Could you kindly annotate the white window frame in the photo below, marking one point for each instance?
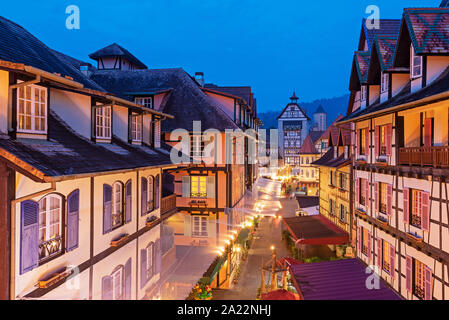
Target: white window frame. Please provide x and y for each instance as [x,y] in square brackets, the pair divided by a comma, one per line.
[384,82]
[136,127]
[47,212]
[363,93]
[32,114]
[117,204]
[199,227]
[103,122]
[117,276]
[147,102]
[415,61]
[150,260]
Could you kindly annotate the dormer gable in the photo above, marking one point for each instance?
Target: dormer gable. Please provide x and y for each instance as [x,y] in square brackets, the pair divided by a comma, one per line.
[115,57]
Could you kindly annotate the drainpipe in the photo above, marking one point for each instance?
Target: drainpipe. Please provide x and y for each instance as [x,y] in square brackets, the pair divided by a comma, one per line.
[13,233]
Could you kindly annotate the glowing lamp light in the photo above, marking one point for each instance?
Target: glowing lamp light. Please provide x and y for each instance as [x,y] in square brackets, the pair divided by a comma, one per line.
[238,249]
[228,242]
[272,248]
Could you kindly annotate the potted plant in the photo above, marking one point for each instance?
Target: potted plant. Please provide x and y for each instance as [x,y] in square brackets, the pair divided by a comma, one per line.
[415,236]
[382,220]
[203,292]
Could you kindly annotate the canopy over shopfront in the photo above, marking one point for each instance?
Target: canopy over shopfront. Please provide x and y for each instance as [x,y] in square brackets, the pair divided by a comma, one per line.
[338,280]
[315,230]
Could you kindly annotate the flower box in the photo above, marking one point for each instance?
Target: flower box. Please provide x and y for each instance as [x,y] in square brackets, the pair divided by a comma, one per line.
[382,221]
[414,237]
[151,221]
[360,211]
[54,278]
[119,240]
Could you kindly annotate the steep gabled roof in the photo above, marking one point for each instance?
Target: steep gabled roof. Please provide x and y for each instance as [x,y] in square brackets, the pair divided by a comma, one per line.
[388,27]
[308,147]
[115,50]
[19,46]
[186,101]
[243,92]
[315,135]
[326,134]
[320,109]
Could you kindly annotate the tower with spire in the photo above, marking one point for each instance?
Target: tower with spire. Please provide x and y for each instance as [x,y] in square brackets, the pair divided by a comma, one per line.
[319,119]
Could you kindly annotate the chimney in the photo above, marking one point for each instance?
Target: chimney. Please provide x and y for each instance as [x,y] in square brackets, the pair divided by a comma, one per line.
[199,77]
[85,70]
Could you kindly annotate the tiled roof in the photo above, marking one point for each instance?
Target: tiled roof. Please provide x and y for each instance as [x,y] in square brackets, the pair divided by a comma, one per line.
[328,160]
[385,47]
[338,280]
[19,46]
[115,50]
[242,92]
[388,27]
[67,153]
[315,135]
[326,134]
[362,59]
[428,29]
[186,101]
[308,147]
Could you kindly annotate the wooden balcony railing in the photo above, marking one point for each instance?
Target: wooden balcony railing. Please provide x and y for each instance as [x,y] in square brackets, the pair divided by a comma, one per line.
[168,203]
[436,157]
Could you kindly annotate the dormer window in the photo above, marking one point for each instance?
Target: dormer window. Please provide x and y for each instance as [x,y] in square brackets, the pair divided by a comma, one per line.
[136,128]
[32,109]
[363,93]
[103,120]
[416,64]
[384,83]
[146,102]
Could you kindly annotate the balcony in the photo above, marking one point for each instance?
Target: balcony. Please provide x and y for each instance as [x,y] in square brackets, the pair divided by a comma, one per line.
[168,203]
[437,157]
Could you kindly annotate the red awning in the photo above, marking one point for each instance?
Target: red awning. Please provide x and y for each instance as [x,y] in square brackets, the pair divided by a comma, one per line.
[315,230]
[279,295]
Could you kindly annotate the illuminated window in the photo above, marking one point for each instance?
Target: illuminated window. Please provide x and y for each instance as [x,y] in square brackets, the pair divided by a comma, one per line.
[383,191]
[383,140]
[199,187]
[362,141]
[365,241]
[416,213]
[420,282]
[386,259]
[146,102]
[32,109]
[50,229]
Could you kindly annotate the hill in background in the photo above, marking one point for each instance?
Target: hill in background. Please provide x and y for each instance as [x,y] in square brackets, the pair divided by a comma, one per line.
[333,107]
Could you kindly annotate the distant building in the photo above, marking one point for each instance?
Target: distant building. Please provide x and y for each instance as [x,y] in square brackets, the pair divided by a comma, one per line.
[319,120]
[293,124]
[309,178]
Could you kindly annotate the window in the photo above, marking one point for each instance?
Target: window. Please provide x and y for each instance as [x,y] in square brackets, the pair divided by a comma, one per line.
[386,259]
[342,181]
[416,64]
[362,141]
[332,206]
[136,128]
[117,205]
[150,206]
[150,260]
[342,213]
[146,102]
[416,213]
[332,178]
[362,190]
[385,80]
[383,140]
[419,279]
[363,94]
[199,187]
[50,226]
[103,122]
[32,109]
[383,193]
[365,247]
[199,226]
[117,284]
[196,145]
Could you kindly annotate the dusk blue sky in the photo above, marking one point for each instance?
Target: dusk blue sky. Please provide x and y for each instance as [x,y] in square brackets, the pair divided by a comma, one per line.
[273,46]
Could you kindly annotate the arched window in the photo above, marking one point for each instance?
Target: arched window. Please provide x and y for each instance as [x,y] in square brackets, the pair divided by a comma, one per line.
[117,205]
[150,193]
[50,225]
[157,193]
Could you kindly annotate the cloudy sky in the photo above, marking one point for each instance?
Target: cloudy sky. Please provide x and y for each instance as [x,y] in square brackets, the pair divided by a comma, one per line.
[274,46]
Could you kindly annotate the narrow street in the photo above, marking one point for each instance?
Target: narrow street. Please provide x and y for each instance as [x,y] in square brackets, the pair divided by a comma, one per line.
[269,233]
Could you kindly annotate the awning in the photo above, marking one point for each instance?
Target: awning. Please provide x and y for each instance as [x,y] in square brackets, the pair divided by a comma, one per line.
[315,230]
[338,280]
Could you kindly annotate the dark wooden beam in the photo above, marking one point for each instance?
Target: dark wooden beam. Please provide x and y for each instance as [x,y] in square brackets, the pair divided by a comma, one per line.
[6,195]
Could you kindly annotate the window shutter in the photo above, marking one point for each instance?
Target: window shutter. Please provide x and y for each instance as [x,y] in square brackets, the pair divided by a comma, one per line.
[425,210]
[428,284]
[158,257]
[211,187]
[29,238]
[367,195]
[376,142]
[186,187]
[150,194]
[406,205]
[144,196]
[390,200]
[358,135]
[357,188]
[379,253]
[128,201]
[389,139]
[359,242]
[408,274]
[392,261]
[106,288]
[157,193]
[428,132]
[128,277]
[376,197]
[369,245]
[367,143]
[143,268]
[73,202]
[107,208]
